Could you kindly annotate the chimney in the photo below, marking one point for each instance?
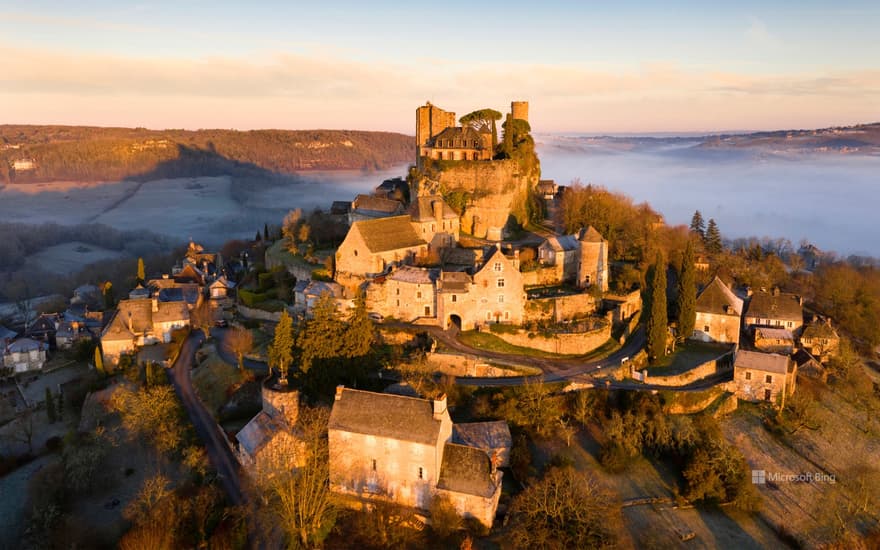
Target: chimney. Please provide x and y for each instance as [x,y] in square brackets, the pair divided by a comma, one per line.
[439,406]
[776,291]
[155,307]
[165,276]
[130,329]
[339,390]
[800,300]
[748,291]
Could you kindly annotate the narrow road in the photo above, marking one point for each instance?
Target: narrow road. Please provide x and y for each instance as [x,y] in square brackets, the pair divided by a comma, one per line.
[227,467]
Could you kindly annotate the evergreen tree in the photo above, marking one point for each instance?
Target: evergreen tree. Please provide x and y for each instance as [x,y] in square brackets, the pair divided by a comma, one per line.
[265,231]
[60,408]
[50,406]
[713,238]
[698,225]
[258,237]
[359,333]
[107,292]
[141,275]
[323,336]
[657,318]
[99,361]
[281,349]
[687,294]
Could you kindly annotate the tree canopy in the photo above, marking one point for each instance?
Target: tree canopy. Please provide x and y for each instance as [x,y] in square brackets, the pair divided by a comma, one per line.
[483,120]
[281,349]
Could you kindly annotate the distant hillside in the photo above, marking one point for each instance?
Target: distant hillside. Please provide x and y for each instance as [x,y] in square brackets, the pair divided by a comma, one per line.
[862,138]
[83,153]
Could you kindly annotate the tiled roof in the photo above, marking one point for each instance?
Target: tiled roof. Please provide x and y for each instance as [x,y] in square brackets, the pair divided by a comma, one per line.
[256,433]
[717,298]
[590,235]
[454,281]
[465,133]
[6,334]
[409,274]
[384,234]
[376,204]
[24,345]
[487,436]
[466,470]
[782,305]
[421,209]
[563,243]
[774,333]
[169,312]
[768,362]
[385,415]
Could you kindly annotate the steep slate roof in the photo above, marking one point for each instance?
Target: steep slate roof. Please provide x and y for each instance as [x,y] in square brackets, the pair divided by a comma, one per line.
[801,357]
[169,312]
[563,243]
[466,470]
[783,306]
[384,234]
[461,133]
[256,433]
[385,415]
[376,204]
[590,235]
[409,274]
[317,288]
[487,436]
[140,313]
[778,333]
[24,345]
[716,296]
[768,362]
[421,209]
[454,281]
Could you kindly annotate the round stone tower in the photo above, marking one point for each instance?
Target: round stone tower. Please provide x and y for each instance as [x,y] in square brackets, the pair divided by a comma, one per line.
[280,401]
[520,110]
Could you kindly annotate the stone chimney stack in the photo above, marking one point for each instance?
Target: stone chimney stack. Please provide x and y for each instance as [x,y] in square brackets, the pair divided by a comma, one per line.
[130,329]
[339,390]
[155,304]
[439,406]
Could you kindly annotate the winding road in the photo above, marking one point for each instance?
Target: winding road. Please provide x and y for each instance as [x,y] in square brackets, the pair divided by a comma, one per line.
[221,457]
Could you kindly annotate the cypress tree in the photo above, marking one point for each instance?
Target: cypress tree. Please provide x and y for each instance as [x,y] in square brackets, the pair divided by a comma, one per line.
[281,349]
[698,225]
[713,238]
[258,237]
[687,294]
[359,334]
[50,406]
[99,361]
[141,274]
[657,318]
[265,231]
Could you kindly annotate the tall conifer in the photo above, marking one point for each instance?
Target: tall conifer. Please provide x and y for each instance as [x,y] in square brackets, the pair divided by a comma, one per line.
[281,349]
[657,317]
[713,238]
[687,294]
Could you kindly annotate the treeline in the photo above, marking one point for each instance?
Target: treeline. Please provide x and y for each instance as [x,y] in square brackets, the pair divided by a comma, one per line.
[85,153]
[18,240]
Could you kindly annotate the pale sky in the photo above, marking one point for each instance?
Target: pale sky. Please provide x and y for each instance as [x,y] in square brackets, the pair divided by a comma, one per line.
[583,66]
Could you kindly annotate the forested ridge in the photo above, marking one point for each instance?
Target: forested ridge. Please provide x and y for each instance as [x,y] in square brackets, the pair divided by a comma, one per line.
[86,153]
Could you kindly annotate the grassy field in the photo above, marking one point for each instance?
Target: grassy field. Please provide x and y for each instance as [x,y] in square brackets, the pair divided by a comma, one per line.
[213,380]
[686,357]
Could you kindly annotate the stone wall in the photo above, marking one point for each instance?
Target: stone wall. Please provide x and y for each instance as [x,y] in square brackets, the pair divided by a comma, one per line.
[491,191]
[712,367]
[543,276]
[466,366]
[560,308]
[259,314]
[575,343]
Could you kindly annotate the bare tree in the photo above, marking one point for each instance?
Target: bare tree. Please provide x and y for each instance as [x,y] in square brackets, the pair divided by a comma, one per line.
[202,317]
[240,341]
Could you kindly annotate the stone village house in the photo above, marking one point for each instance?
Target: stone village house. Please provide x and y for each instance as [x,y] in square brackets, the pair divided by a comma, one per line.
[775,310]
[269,440]
[764,376]
[718,312]
[820,339]
[141,322]
[581,258]
[24,355]
[398,448]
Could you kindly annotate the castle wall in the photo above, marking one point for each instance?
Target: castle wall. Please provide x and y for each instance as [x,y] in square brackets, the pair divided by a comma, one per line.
[520,110]
[494,190]
[574,343]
